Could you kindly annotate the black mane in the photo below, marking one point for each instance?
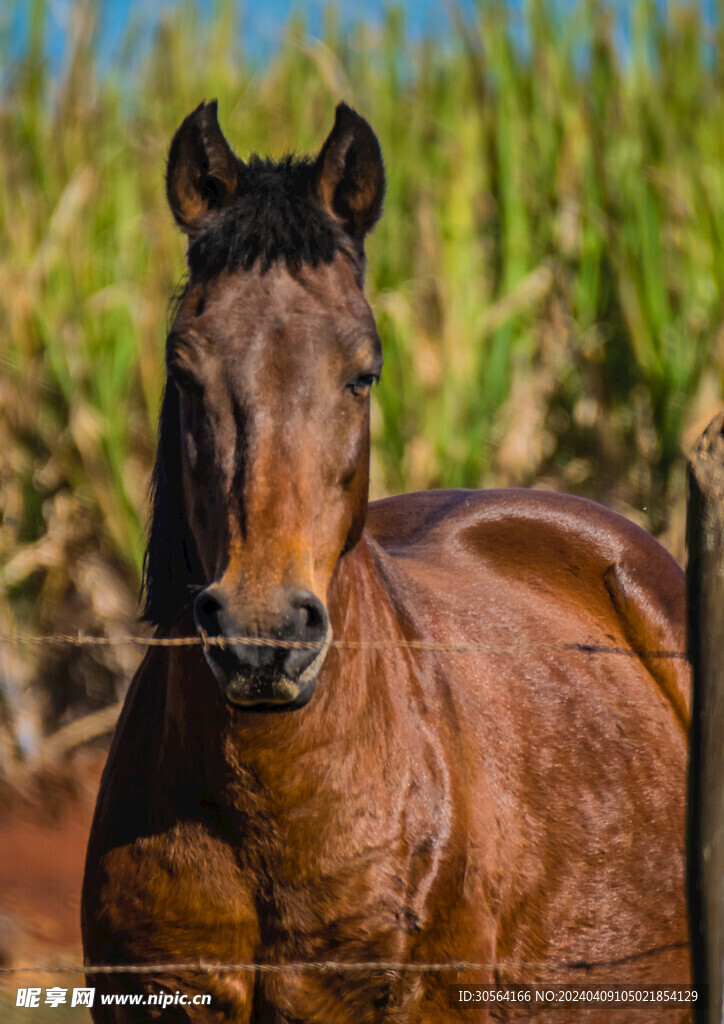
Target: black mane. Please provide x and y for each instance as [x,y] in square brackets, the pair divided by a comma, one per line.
[275,217]
[171,566]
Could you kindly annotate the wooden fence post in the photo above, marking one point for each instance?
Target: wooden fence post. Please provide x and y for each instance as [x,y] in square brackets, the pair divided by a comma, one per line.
[705,615]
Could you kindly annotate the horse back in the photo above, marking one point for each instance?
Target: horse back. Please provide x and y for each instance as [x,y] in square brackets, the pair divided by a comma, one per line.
[574,553]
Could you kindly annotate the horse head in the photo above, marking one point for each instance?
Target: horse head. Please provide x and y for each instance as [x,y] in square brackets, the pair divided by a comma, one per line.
[262,473]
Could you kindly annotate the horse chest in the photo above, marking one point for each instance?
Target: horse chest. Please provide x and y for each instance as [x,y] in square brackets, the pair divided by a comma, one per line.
[366,882]
[366,854]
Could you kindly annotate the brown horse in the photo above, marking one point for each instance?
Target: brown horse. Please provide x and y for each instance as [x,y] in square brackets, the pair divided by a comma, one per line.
[451,769]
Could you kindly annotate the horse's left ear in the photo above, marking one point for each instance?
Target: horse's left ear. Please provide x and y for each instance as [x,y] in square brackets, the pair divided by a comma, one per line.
[350,174]
[202,174]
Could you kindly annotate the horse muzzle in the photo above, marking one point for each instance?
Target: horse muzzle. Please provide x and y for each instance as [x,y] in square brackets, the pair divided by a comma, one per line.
[265,670]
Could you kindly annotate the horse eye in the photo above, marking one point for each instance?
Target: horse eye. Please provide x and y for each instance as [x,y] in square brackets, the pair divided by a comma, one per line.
[184,379]
[361,385]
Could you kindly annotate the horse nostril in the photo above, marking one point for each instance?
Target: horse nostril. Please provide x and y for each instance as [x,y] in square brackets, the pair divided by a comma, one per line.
[312,615]
[206,612]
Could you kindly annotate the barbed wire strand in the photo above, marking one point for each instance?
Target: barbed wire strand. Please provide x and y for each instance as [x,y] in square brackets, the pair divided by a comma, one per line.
[323,966]
[82,639]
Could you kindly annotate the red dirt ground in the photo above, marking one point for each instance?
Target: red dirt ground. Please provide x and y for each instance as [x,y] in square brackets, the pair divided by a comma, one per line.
[44,824]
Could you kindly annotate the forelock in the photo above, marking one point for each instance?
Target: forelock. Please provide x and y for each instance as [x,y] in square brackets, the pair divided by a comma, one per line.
[276,217]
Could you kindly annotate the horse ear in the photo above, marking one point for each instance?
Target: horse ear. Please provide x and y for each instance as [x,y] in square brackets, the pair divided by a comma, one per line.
[202,174]
[350,174]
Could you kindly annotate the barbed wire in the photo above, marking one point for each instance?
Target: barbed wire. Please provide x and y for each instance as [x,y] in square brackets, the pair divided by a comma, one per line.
[81,639]
[321,966]
[202,966]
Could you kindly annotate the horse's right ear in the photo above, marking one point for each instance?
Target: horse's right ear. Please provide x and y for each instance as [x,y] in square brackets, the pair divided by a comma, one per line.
[202,173]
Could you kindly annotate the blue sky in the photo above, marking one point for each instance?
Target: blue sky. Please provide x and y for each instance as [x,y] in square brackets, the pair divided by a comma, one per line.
[263,20]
